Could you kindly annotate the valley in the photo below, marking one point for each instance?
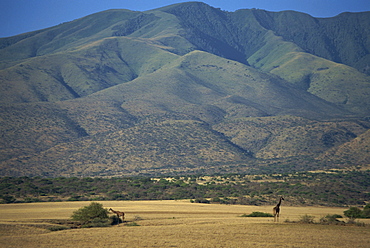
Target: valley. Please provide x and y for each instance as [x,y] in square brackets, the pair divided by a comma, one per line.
[176,224]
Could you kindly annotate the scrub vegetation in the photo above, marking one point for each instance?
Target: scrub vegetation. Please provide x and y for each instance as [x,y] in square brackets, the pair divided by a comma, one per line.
[330,188]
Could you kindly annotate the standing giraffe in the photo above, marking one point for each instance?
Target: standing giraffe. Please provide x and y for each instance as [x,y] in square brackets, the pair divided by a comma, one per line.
[276,210]
[118,213]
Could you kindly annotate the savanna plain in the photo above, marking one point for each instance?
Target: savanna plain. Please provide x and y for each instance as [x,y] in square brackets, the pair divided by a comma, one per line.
[177,224]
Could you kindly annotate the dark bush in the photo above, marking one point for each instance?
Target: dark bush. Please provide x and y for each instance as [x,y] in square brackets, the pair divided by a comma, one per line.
[202,200]
[114,220]
[258,214]
[353,213]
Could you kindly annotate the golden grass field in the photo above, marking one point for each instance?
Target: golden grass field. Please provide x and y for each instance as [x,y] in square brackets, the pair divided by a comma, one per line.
[177,224]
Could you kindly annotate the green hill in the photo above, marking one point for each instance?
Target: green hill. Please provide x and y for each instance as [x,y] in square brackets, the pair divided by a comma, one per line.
[186,88]
[342,39]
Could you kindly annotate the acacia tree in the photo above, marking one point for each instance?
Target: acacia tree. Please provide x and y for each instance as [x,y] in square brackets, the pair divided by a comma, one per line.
[353,213]
[92,215]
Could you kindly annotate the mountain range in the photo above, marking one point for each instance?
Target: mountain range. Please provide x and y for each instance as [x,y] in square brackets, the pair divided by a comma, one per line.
[185,89]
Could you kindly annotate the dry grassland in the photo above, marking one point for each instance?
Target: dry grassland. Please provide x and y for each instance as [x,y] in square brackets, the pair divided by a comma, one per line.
[176,224]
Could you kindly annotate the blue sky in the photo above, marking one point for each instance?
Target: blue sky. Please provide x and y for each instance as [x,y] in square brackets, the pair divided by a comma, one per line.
[20,16]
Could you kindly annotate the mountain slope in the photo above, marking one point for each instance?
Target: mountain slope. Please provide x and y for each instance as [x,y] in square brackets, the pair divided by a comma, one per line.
[288,136]
[81,72]
[333,82]
[30,128]
[342,39]
[62,37]
[184,88]
[355,151]
[167,146]
[200,78]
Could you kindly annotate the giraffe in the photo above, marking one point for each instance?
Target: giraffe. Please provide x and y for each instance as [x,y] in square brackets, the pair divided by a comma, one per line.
[118,213]
[276,210]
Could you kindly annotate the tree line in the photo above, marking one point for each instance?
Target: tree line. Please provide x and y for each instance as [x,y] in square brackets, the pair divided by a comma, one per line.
[303,188]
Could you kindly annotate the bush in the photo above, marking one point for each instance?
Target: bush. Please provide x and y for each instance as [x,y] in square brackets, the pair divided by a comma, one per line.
[307,219]
[331,219]
[114,220]
[7,199]
[258,214]
[92,215]
[353,213]
[202,200]
[337,216]
[97,222]
[58,228]
[354,222]
[366,211]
